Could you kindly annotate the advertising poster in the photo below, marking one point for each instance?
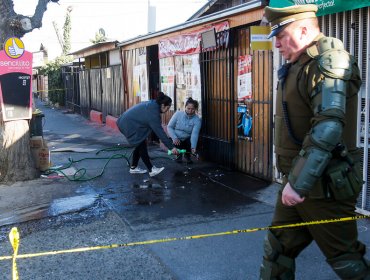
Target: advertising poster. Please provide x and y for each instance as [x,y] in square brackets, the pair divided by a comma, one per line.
[136,82]
[188,78]
[245,122]
[140,82]
[143,83]
[15,81]
[244,77]
[140,76]
[167,70]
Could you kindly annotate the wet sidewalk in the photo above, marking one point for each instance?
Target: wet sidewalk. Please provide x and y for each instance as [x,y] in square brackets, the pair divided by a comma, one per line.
[57,212]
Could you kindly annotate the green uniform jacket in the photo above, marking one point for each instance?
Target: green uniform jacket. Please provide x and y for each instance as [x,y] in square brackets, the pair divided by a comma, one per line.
[300,83]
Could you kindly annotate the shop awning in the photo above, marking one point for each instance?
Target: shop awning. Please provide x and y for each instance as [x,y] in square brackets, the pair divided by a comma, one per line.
[325,6]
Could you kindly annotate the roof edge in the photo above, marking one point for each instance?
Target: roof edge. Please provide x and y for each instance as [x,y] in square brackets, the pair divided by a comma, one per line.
[231,11]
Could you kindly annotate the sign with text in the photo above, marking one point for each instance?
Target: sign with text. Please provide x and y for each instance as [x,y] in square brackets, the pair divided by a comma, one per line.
[244,77]
[15,81]
[325,7]
[259,39]
[187,44]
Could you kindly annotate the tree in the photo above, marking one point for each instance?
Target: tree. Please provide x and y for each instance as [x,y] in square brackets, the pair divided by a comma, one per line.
[99,37]
[65,40]
[16,162]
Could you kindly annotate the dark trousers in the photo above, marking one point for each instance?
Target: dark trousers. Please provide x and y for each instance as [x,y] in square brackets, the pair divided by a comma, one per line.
[333,239]
[141,151]
[185,145]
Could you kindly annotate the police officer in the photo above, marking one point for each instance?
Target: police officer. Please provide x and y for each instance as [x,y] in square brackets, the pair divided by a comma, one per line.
[315,138]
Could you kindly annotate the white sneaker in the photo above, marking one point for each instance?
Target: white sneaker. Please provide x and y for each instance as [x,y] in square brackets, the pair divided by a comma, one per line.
[137,170]
[155,171]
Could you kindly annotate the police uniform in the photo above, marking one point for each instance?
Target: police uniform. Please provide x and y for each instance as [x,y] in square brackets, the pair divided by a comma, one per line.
[315,139]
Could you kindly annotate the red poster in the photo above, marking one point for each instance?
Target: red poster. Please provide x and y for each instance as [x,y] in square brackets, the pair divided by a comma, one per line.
[244,77]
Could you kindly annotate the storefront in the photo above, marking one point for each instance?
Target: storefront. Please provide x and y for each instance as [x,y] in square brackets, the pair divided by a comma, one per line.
[182,62]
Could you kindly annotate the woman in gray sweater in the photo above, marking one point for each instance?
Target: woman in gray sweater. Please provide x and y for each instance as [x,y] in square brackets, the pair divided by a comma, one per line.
[137,123]
[184,128]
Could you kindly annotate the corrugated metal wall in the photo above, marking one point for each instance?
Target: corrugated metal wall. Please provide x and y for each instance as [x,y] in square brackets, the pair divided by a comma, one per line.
[112,91]
[102,90]
[71,81]
[96,90]
[85,93]
[219,77]
[352,27]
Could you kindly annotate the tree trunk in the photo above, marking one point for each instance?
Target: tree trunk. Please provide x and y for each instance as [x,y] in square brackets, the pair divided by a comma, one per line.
[16,161]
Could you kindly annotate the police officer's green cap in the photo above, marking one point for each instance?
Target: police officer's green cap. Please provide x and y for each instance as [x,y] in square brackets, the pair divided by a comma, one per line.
[279,17]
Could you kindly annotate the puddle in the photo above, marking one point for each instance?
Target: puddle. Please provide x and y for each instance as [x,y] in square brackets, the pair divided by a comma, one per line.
[148,193]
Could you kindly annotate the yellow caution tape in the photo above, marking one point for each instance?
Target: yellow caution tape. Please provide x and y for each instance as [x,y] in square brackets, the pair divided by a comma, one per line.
[14,240]
[111,246]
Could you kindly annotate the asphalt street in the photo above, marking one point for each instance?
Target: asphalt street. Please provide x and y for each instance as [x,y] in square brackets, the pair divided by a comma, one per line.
[184,217]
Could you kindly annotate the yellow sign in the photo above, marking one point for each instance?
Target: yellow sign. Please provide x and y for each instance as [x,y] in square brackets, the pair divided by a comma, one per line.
[259,39]
[14,47]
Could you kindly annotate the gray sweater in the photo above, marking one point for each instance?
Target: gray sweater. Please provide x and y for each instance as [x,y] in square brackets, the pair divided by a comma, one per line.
[140,120]
[182,126]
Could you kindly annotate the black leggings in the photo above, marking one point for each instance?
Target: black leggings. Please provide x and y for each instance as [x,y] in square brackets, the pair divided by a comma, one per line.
[185,145]
[141,151]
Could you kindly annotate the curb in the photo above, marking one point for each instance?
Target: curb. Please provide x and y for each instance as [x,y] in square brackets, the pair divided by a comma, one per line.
[96,116]
[111,122]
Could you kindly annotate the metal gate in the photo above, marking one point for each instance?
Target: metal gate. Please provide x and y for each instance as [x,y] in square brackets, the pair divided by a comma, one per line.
[218,112]
[70,75]
[219,68]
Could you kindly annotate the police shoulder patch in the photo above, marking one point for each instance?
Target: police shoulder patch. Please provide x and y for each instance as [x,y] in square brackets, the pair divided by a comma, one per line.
[334,61]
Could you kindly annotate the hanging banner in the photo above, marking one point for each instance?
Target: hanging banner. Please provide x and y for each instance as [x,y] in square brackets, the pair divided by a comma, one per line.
[325,7]
[15,81]
[167,80]
[187,43]
[244,77]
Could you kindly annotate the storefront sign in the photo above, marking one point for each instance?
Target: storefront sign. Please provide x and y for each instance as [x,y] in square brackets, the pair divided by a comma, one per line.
[259,39]
[15,81]
[187,43]
[325,6]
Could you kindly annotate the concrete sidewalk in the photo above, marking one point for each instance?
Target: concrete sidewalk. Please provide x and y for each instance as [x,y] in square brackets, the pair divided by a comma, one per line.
[56,213]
